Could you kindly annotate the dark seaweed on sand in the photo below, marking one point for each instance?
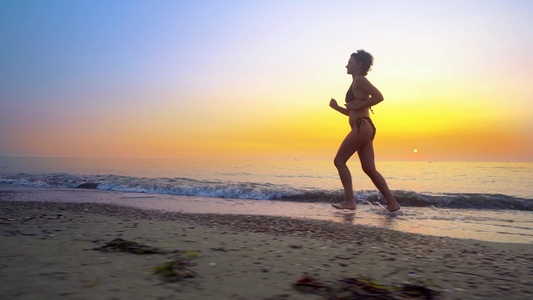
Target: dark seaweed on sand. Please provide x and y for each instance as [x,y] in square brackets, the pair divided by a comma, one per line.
[120,245]
[171,271]
[355,288]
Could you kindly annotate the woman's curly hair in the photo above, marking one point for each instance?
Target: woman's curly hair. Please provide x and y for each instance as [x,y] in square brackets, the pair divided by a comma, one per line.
[365,59]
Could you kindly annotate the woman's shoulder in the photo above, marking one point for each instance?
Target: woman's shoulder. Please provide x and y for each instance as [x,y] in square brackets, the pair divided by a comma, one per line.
[358,80]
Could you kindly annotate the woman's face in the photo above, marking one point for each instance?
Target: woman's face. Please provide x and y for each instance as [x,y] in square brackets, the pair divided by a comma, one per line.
[353,66]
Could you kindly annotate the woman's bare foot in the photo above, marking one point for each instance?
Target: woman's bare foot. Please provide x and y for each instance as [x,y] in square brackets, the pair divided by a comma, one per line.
[345,205]
[393,207]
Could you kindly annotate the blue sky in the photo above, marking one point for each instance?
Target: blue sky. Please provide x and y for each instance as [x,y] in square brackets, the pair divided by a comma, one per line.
[225,76]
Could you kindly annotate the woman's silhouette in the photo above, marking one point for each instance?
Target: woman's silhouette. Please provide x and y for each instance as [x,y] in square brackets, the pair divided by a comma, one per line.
[361,96]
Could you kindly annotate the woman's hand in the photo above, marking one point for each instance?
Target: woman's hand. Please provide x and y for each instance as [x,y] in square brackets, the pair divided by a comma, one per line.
[333,104]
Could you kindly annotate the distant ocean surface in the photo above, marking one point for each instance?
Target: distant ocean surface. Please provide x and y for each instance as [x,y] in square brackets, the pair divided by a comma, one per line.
[461,186]
[439,184]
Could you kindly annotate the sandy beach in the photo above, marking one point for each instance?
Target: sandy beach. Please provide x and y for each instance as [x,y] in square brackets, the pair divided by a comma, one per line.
[47,251]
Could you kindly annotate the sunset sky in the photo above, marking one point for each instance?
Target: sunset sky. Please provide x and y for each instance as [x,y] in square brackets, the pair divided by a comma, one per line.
[253,79]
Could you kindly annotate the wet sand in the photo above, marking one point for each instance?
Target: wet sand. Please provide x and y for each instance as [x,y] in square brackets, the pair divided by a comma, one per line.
[47,253]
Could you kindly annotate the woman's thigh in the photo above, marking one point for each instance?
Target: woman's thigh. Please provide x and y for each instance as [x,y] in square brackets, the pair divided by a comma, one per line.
[352,142]
[366,157]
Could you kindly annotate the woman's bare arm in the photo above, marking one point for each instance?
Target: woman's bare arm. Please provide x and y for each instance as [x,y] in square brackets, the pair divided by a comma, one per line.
[333,104]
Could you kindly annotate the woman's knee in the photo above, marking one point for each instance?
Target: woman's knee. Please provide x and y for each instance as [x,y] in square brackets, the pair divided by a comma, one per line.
[339,162]
[369,170]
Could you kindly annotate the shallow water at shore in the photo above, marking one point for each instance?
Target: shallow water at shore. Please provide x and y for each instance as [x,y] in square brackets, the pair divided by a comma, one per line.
[421,184]
[486,225]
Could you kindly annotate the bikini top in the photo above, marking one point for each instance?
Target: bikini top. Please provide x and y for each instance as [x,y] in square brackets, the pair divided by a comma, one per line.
[351,97]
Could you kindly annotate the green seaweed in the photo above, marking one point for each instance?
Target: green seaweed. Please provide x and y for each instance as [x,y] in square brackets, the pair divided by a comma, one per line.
[171,271]
[191,254]
[176,269]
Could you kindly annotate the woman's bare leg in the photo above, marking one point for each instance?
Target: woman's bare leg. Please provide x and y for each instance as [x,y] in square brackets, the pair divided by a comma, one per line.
[366,156]
[348,147]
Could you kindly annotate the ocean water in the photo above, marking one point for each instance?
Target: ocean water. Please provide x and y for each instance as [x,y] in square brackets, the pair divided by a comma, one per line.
[488,201]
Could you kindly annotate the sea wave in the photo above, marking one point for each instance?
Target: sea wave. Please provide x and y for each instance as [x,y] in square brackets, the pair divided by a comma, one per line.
[262,191]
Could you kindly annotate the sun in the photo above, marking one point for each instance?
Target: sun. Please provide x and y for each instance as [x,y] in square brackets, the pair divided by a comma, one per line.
[415,150]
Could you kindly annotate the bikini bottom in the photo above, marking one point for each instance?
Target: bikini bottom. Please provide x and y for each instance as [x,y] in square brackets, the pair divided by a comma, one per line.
[361,121]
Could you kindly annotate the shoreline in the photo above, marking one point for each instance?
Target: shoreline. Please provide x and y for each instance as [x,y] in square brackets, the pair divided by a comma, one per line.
[486,225]
[49,250]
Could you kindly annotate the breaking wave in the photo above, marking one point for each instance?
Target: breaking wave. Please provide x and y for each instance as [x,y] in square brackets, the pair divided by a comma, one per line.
[262,191]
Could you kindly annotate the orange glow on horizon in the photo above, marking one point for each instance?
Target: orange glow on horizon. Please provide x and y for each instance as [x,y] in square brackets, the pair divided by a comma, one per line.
[254,80]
